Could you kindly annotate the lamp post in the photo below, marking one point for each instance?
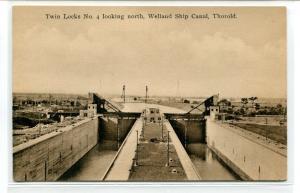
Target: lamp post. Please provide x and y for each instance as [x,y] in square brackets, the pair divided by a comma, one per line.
[137,149]
[168,153]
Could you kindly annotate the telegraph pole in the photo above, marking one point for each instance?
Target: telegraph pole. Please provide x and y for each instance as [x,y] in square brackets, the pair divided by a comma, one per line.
[146,94]
[123,93]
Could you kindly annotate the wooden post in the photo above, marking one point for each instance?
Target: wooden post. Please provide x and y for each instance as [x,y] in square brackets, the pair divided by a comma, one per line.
[146,97]
[137,149]
[168,154]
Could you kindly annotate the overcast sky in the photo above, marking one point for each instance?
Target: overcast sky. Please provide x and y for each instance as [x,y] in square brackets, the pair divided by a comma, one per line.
[237,57]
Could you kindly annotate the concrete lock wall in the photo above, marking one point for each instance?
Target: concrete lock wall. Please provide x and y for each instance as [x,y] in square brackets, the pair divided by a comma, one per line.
[195,130]
[51,156]
[248,158]
[110,129]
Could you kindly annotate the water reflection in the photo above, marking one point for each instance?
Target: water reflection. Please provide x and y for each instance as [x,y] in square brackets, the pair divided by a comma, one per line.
[91,167]
[209,167]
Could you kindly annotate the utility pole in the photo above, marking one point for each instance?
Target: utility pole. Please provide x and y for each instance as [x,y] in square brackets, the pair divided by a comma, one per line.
[123,94]
[146,94]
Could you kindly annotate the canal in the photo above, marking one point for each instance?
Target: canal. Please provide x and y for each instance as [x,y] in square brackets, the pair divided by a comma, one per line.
[209,165]
[91,167]
[95,163]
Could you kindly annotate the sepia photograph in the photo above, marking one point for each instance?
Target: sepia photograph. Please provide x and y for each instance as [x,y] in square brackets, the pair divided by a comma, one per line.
[149,94]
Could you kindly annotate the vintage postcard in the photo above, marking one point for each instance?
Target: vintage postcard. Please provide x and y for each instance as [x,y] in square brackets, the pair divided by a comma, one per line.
[152,94]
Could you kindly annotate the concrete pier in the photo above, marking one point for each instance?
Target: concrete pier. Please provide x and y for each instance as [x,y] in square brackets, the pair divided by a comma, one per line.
[246,153]
[119,169]
[48,157]
[187,164]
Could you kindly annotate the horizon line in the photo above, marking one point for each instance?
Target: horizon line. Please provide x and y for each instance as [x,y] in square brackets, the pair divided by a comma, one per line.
[154,95]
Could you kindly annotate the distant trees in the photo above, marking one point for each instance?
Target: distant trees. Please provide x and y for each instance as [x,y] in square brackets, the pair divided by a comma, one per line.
[244,101]
[280,109]
[271,110]
[257,106]
[240,111]
[225,102]
[254,108]
[186,101]
[253,99]
[14,100]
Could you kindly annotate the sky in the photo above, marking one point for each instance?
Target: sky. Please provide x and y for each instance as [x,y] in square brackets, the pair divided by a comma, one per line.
[240,57]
